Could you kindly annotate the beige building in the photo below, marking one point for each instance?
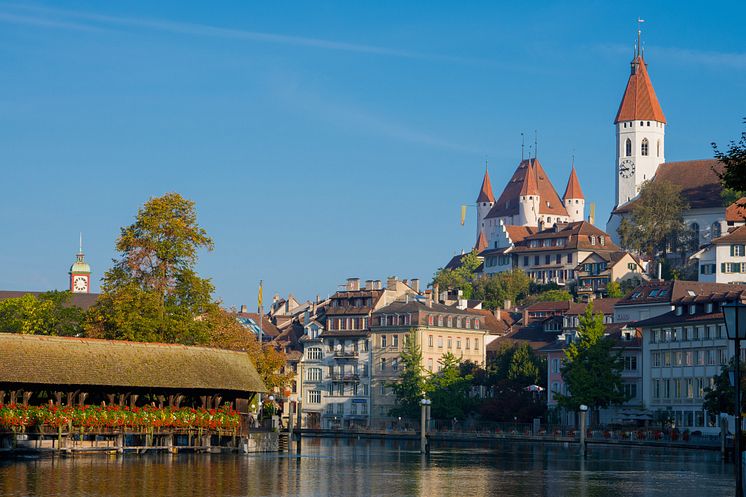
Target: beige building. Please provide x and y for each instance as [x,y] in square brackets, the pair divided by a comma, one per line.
[436,328]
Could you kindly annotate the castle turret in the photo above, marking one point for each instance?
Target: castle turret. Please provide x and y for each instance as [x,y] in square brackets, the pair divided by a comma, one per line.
[573,198]
[485,201]
[529,199]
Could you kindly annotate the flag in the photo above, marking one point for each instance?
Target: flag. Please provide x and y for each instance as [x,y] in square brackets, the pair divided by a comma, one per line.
[259,297]
[463,214]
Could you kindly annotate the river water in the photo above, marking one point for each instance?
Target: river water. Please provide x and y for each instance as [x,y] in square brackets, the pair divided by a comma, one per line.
[388,468]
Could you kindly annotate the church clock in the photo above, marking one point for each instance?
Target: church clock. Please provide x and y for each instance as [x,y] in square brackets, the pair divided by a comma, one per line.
[626,167]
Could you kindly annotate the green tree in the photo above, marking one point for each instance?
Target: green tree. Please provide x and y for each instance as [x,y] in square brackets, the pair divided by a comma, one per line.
[733,176]
[614,290]
[411,385]
[449,389]
[548,296]
[461,278]
[495,289]
[50,313]
[721,396]
[656,222]
[152,293]
[592,369]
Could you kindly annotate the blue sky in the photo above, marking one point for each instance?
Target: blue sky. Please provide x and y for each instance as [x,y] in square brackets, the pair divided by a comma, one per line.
[323,140]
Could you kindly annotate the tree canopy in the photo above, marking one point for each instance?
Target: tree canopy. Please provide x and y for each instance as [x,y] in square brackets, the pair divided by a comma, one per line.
[720,397]
[449,389]
[412,383]
[733,176]
[460,278]
[495,289]
[50,313]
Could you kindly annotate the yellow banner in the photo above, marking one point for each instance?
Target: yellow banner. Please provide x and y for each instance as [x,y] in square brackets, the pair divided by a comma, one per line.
[259,298]
[463,214]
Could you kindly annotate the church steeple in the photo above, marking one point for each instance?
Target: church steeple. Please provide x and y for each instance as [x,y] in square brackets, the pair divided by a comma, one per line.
[485,193]
[485,201]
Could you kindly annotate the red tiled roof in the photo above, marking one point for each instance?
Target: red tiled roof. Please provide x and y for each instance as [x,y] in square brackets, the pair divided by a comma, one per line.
[639,100]
[577,236]
[573,186]
[534,336]
[492,324]
[603,306]
[529,178]
[698,180]
[268,328]
[481,242]
[485,194]
[737,235]
[736,212]
[518,233]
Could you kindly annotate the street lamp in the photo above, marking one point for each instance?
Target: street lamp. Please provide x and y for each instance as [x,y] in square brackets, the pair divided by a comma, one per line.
[583,412]
[425,404]
[734,314]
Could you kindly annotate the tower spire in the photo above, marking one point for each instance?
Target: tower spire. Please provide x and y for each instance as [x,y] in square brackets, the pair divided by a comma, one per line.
[80,249]
[638,51]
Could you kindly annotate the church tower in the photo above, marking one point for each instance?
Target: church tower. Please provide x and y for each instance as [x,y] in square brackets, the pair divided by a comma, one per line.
[485,201]
[573,198]
[80,273]
[640,131]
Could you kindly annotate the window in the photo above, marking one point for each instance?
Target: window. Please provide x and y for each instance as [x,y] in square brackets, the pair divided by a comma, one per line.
[468,343]
[716,230]
[313,374]
[440,342]
[382,389]
[430,365]
[731,267]
[555,365]
[313,353]
[467,324]
[525,260]
[569,258]
[440,320]
[396,342]
[712,357]
[536,260]
[656,359]
[450,321]
[593,240]
[450,342]
[628,147]
[430,321]
[383,341]
[630,363]
[458,322]
[630,390]
[395,364]
[658,149]
[707,268]
[383,364]
[644,147]
[314,396]
[476,327]
[737,251]
[476,344]
[547,259]
[458,343]
[430,341]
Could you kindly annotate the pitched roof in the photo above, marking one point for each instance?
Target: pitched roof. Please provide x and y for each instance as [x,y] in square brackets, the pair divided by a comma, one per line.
[573,186]
[639,100]
[485,194]
[518,233]
[481,242]
[600,306]
[679,291]
[737,235]
[577,235]
[492,324]
[251,320]
[698,180]
[736,212]
[45,360]
[529,178]
[82,300]
[534,336]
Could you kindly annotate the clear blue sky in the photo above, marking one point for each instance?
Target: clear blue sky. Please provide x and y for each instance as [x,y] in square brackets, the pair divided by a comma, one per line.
[323,140]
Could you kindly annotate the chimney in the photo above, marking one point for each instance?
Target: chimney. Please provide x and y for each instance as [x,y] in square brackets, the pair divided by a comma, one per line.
[415,284]
[462,304]
[405,281]
[436,292]
[391,283]
[306,317]
[660,272]
[244,309]
[353,284]
[376,284]
[507,304]
[429,302]
[498,313]
[525,317]
[318,299]
[369,284]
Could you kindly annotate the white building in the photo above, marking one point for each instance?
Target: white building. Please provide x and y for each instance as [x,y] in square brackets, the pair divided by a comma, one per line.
[724,259]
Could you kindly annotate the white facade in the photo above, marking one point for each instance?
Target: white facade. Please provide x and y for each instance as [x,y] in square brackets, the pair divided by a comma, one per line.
[575,208]
[639,150]
[722,263]
[483,208]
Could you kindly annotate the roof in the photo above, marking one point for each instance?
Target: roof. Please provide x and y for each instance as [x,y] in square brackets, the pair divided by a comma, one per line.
[604,306]
[698,180]
[577,234]
[481,242]
[679,291]
[375,296]
[485,193]
[549,306]
[518,233]
[534,336]
[737,235]
[572,190]
[736,212]
[529,178]
[82,300]
[251,320]
[418,305]
[639,101]
[492,324]
[45,360]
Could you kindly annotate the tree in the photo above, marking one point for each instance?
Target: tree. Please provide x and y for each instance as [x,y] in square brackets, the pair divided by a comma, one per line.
[152,293]
[548,296]
[449,390]
[614,290]
[657,221]
[495,289]
[411,386]
[50,313]
[733,176]
[592,370]
[460,278]
[721,396]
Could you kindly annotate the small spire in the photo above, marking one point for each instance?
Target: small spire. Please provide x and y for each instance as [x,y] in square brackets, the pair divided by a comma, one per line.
[523,144]
[536,144]
[80,249]
[638,47]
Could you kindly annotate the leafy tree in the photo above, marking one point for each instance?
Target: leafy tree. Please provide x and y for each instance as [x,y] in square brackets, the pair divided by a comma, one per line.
[592,370]
[460,278]
[412,384]
[449,390]
[495,289]
[50,313]
[548,296]
[656,222]
[525,366]
[614,290]
[733,176]
[721,396]
[153,292]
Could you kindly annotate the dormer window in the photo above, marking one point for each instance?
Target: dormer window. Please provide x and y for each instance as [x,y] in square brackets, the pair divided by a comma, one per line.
[593,240]
[602,240]
[708,307]
[679,310]
[692,309]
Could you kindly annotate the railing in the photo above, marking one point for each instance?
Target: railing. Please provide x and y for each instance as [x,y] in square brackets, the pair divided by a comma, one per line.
[345,354]
[345,377]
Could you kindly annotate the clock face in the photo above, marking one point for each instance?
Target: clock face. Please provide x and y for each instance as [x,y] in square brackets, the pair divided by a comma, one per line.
[80,284]
[626,168]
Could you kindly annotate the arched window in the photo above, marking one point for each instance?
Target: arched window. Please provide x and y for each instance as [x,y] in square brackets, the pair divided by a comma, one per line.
[628,147]
[716,230]
[440,320]
[644,146]
[458,322]
[658,149]
[695,229]
[450,321]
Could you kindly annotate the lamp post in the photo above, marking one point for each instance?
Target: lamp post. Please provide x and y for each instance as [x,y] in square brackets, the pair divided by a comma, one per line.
[735,325]
[583,412]
[424,405]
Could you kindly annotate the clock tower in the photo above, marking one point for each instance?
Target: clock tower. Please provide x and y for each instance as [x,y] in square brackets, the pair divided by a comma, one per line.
[80,273]
[640,132]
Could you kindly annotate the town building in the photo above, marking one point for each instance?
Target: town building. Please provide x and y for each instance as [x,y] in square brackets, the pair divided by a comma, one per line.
[723,260]
[597,270]
[437,329]
[683,349]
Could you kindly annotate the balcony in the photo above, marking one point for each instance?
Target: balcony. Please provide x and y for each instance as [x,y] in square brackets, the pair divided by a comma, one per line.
[346,354]
[346,377]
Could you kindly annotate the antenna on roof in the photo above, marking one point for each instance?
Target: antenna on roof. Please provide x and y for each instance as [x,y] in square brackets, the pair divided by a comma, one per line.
[639,33]
[523,144]
[536,144]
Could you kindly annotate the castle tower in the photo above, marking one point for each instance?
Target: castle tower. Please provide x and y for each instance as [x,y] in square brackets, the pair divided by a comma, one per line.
[573,198]
[640,132]
[485,201]
[529,199]
[80,273]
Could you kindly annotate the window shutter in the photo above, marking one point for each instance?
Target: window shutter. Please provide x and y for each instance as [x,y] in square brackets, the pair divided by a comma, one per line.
[722,267]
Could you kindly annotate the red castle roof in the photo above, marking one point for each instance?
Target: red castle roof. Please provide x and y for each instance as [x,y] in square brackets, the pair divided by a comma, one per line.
[639,100]
[573,186]
[485,194]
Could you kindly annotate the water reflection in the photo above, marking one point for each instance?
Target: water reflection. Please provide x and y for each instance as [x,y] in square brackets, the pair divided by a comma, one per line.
[378,467]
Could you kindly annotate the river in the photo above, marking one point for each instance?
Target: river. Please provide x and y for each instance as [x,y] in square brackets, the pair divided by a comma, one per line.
[345,468]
